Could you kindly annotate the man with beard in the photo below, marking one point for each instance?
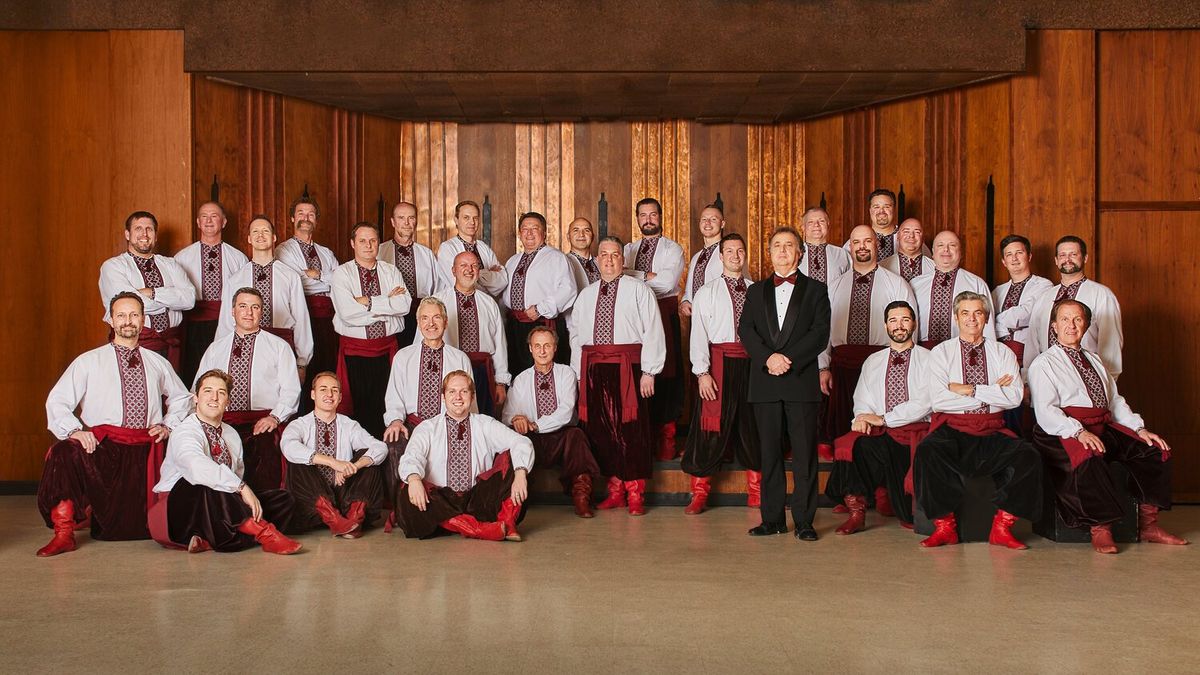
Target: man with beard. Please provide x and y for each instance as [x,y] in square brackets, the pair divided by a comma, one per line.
[370,301]
[284,310]
[661,262]
[821,261]
[316,265]
[936,291]
[162,283]
[204,504]
[1083,423]
[583,263]
[881,208]
[492,276]
[1015,298]
[911,259]
[208,263]
[463,472]
[416,262]
[1103,336]
[971,382]
[723,423]
[474,325]
[891,416]
[540,290]
[706,264]
[106,459]
[617,350]
[863,292]
[264,388]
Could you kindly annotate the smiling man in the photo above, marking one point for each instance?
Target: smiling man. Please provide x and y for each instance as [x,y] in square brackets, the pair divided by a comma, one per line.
[705,265]
[936,290]
[416,262]
[821,261]
[541,289]
[475,325]
[911,259]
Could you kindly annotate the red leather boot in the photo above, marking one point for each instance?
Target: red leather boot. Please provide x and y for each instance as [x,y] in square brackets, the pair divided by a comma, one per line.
[945,531]
[753,489]
[271,539]
[509,511]
[469,527]
[1102,539]
[197,545]
[883,503]
[1150,531]
[857,505]
[636,489]
[63,518]
[338,524]
[616,495]
[700,489]
[357,514]
[581,495]
[1002,531]
[666,442]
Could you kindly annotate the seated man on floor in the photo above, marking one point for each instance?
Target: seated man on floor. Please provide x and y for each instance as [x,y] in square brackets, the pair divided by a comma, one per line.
[334,466]
[971,382]
[891,416]
[205,504]
[463,472]
[541,405]
[105,459]
[1082,424]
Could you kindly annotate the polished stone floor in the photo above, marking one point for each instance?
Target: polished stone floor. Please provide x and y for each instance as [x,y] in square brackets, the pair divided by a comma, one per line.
[658,594]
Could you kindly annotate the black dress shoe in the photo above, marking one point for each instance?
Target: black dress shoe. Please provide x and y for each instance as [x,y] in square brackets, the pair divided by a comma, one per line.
[768,529]
[806,533]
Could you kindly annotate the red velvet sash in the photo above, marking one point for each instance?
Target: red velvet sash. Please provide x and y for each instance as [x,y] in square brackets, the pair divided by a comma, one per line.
[710,411]
[975,425]
[352,346]
[848,357]
[910,434]
[1017,348]
[485,359]
[623,355]
[1094,420]
[288,335]
[929,344]
[169,340]
[154,460]
[205,310]
[522,317]
[668,307]
[320,307]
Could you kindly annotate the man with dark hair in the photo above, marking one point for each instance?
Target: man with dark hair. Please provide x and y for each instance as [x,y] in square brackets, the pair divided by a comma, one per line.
[660,264]
[475,325]
[370,300]
[106,459]
[935,292]
[881,209]
[541,289]
[493,278]
[1015,298]
[208,263]
[416,262]
[1082,424]
[891,416]
[705,265]
[1104,336]
[723,421]
[912,255]
[161,281]
[821,261]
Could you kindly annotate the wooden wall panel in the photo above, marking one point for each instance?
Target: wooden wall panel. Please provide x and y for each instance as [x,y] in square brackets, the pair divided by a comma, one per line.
[381,170]
[902,138]
[603,161]
[718,164]
[774,187]
[308,137]
[661,168]
[545,177]
[425,180]
[859,159]
[823,174]
[483,149]
[987,152]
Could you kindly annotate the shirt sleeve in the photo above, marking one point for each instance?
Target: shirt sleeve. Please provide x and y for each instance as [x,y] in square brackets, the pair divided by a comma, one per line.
[289,384]
[179,399]
[519,447]
[562,291]
[359,440]
[180,294]
[654,338]
[302,329]
[292,443]
[64,398]
[667,277]
[348,310]
[415,459]
[699,340]
[197,466]
[1047,404]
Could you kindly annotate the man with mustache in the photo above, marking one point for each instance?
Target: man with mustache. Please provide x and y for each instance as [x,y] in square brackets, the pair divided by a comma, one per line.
[208,263]
[541,289]
[705,265]
[821,261]
[583,263]
[661,263]
[936,291]
[912,256]
[1103,337]
[891,416]
[493,278]
[416,262]
[105,459]
[475,325]
[162,283]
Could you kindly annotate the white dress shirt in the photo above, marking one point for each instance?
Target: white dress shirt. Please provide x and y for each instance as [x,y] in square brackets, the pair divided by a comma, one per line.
[522,399]
[288,307]
[120,274]
[492,282]
[351,318]
[427,450]
[299,441]
[945,366]
[189,457]
[922,287]
[712,321]
[425,264]
[668,265]
[712,270]
[232,260]
[274,382]
[404,383]
[291,253]
[892,264]
[887,287]
[1104,337]
[1055,383]
[491,329]
[93,380]
[636,320]
[549,282]
[837,262]
[870,396]
[1014,322]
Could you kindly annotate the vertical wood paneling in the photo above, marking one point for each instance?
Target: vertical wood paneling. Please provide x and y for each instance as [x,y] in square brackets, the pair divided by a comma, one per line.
[823,163]
[902,148]
[603,155]
[858,165]
[661,169]
[429,213]
[774,186]
[566,188]
[987,152]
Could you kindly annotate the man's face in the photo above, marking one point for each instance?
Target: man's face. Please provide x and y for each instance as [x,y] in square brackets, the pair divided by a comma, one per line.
[365,244]
[210,220]
[1069,258]
[610,259]
[127,318]
[711,223]
[304,218]
[733,257]
[882,210]
[404,220]
[909,237]
[458,396]
[142,235]
[785,251]
[532,234]
[816,227]
[542,346]
[863,244]
[1015,258]
[971,316]
[466,270]
[467,220]
[212,398]
[431,322]
[947,251]
[247,312]
[900,325]
[326,394]
[649,219]
[581,235]
[1070,325]
[262,237]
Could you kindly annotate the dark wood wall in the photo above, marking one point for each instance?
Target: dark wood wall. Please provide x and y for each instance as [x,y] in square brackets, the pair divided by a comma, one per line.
[1099,138]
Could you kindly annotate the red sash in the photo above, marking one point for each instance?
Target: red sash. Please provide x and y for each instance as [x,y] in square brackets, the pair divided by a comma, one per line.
[485,359]
[352,346]
[623,355]
[975,425]
[288,335]
[320,307]
[1017,348]
[668,307]
[929,344]
[910,434]
[1094,420]
[169,340]
[522,317]
[205,310]
[710,411]
[851,357]
[154,460]
[413,420]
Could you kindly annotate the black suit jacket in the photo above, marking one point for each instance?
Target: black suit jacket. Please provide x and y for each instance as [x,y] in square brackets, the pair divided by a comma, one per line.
[804,335]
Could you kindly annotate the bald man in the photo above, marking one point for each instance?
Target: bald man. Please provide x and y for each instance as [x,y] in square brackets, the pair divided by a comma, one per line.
[475,324]
[417,265]
[936,291]
[911,259]
[583,262]
[706,264]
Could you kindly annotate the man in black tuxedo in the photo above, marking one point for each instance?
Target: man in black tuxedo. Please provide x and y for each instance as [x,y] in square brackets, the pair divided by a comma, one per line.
[785,325]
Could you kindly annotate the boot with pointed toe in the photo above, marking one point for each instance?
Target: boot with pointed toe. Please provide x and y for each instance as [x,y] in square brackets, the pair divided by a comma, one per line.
[271,539]
[509,512]
[581,495]
[469,527]
[857,505]
[636,491]
[62,516]
[701,485]
[1102,539]
[338,524]
[1002,531]
[883,503]
[616,495]
[1150,531]
[945,532]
